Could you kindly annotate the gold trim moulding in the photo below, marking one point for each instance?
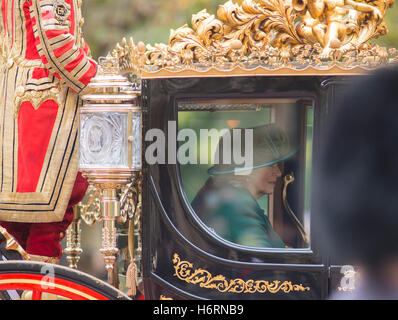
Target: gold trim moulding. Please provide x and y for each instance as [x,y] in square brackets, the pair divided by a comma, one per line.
[258,71]
[280,37]
[109,98]
[108,177]
[107,87]
[185,271]
[110,79]
[100,108]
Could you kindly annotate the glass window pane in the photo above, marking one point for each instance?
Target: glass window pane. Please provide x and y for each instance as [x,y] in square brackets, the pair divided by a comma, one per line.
[245,169]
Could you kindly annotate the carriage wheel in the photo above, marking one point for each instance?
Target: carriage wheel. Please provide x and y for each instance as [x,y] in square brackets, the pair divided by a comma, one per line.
[42,280]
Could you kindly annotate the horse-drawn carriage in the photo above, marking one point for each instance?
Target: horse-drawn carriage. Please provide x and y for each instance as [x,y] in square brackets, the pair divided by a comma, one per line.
[145,128]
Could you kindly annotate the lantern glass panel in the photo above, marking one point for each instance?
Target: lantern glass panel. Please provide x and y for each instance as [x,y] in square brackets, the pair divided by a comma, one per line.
[103,138]
[136,142]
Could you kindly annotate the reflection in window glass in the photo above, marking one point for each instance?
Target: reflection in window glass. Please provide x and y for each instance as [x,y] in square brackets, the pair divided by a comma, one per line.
[308,161]
[248,178]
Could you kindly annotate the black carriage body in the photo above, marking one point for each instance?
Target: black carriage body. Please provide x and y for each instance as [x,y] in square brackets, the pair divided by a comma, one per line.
[181,258]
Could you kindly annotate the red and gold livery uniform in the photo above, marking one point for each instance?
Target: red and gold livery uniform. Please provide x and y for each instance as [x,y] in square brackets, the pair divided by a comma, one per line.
[45,67]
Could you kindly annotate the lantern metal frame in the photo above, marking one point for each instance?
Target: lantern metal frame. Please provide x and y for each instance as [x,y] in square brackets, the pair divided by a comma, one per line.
[113,107]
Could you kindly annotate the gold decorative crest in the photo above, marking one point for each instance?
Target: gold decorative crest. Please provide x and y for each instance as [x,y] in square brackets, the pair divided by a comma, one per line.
[184,271]
[61,11]
[267,35]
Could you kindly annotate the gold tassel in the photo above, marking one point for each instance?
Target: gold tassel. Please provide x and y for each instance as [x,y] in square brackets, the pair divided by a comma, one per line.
[132,270]
[132,280]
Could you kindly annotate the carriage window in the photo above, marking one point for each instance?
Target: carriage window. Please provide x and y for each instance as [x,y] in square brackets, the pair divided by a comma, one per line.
[245,168]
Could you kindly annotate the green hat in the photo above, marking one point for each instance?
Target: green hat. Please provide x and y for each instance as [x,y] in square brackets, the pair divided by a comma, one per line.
[270,146]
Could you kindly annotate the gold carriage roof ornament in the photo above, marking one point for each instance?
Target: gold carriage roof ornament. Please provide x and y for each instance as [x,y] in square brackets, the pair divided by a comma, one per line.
[268,37]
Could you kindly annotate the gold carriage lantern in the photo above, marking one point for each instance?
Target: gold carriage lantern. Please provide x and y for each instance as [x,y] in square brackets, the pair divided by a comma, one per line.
[110,145]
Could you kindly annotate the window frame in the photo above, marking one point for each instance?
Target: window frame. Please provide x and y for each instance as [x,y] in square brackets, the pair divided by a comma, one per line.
[277,97]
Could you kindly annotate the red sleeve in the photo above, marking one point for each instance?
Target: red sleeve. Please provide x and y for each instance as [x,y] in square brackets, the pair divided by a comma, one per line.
[56,42]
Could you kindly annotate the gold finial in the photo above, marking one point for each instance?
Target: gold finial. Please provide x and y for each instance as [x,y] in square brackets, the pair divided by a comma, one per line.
[141,47]
[109,65]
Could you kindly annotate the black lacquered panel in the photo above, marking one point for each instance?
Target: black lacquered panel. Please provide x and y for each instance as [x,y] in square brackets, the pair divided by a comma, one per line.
[182,257]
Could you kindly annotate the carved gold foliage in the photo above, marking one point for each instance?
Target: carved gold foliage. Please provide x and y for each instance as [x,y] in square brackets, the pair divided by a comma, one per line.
[185,271]
[271,34]
[90,206]
[131,56]
[252,23]
[130,200]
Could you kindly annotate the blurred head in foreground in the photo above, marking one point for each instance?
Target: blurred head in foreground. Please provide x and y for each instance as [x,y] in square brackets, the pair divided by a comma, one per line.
[357,198]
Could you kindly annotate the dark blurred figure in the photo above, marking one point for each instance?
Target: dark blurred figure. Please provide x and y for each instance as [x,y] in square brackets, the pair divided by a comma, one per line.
[357,185]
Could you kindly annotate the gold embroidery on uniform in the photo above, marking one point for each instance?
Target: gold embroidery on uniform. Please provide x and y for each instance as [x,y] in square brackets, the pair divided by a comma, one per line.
[61,11]
[36,98]
[48,203]
[44,44]
[45,259]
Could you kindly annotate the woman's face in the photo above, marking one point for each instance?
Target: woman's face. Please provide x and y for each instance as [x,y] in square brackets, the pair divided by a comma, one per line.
[263,180]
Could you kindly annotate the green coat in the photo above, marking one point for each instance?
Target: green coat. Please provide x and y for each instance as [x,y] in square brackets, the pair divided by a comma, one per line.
[235,215]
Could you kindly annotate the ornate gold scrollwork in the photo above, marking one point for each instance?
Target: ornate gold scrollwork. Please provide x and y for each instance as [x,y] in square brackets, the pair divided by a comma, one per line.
[271,34]
[130,199]
[89,208]
[184,271]
[36,98]
[131,56]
